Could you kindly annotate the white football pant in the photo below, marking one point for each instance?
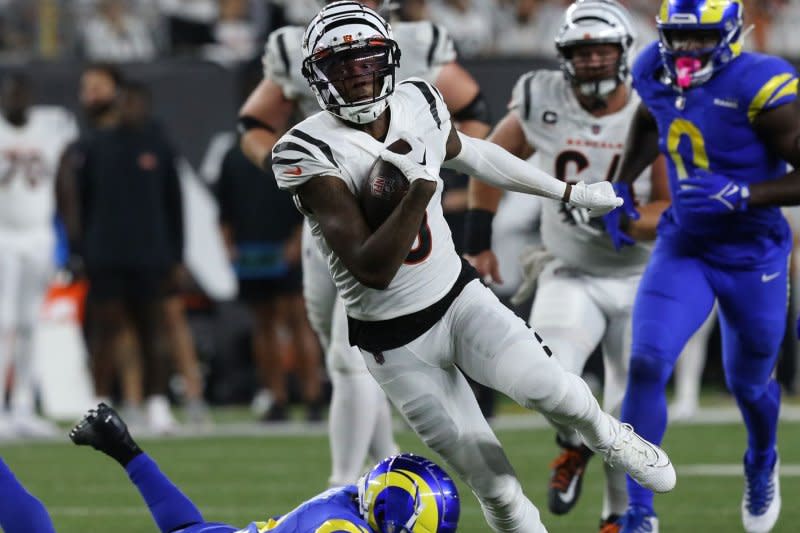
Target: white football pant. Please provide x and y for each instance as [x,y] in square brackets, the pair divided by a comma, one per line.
[478,336]
[26,265]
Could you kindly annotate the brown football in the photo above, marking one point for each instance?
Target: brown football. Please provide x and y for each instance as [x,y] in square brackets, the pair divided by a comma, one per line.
[385,187]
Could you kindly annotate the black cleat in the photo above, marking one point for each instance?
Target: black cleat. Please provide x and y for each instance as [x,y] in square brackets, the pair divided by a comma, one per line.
[610,524]
[566,478]
[104,430]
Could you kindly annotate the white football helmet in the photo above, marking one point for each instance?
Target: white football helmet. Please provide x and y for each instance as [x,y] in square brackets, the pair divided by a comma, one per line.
[350,60]
[595,22]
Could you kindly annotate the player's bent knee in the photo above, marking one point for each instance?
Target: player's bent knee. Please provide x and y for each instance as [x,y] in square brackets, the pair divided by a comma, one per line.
[541,389]
[746,392]
[654,339]
[649,368]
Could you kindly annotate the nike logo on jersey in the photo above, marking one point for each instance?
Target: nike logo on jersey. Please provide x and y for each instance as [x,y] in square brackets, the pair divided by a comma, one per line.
[724,102]
[424,155]
[766,278]
[296,171]
[569,494]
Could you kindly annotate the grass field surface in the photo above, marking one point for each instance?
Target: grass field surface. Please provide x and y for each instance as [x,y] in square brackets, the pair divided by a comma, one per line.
[242,479]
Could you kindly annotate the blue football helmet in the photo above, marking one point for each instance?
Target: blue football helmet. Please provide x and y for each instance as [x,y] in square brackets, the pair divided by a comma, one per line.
[690,68]
[409,494]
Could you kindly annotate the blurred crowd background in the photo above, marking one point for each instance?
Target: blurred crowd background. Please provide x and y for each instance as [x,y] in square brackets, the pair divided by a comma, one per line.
[234,30]
[193,283]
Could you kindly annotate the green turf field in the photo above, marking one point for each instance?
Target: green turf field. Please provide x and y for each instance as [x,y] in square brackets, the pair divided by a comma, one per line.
[238,480]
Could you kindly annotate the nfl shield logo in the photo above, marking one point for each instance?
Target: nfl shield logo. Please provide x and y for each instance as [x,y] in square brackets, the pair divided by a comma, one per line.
[595,129]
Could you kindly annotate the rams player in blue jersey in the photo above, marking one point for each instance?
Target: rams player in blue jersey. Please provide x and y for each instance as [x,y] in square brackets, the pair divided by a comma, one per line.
[728,122]
[402,494]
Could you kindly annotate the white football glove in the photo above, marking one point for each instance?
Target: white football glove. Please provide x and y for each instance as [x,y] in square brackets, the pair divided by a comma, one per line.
[599,198]
[533,259]
[411,169]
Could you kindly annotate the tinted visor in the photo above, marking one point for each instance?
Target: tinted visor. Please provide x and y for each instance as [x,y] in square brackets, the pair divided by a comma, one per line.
[355,62]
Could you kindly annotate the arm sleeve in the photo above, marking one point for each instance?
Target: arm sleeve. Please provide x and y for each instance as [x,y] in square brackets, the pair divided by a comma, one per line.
[491,164]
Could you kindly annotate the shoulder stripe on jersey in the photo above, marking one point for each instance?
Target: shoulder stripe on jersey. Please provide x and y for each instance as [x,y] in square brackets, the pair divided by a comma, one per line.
[288,146]
[763,94]
[426,92]
[434,44]
[324,148]
[526,96]
[788,89]
[286,160]
[283,54]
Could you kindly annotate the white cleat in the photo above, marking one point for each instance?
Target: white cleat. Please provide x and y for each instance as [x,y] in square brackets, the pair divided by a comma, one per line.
[645,462]
[159,415]
[761,502]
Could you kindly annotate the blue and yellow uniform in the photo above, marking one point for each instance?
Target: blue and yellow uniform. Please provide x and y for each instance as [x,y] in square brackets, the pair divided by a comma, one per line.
[738,258]
[333,511]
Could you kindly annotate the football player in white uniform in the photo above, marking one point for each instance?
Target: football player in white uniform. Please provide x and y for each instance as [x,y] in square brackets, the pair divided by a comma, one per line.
[418,313]
[576,120]
[31,142]
[358,405]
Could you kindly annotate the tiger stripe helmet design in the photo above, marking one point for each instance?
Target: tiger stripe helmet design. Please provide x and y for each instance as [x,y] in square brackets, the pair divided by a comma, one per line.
[409,494]
[346,47]
[721,16]
[595,22]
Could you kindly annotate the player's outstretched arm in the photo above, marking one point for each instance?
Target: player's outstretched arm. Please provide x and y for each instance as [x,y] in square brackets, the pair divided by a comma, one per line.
[483,200]
[494,165]
[20,511]
[641,147]
[373,258]
[780,129]
[104,430]
[262,120]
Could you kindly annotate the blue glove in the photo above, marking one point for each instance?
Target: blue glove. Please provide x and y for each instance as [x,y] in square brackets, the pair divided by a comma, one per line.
[798,327]
[613,219]
[713,194]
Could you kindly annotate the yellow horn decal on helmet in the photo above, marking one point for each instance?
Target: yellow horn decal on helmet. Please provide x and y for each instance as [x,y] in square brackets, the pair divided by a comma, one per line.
[340,526]
[663,14]
[428,519]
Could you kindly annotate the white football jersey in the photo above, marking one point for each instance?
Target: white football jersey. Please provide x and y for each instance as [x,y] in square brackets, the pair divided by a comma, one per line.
[323,145]
[573,145]
[424,48]
[29,157]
